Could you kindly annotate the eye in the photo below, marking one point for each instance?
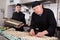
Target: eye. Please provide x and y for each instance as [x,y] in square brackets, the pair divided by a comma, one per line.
[33,9]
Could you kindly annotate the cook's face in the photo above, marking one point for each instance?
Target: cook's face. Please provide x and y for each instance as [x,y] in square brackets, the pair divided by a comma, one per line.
[38,8]
[18,8]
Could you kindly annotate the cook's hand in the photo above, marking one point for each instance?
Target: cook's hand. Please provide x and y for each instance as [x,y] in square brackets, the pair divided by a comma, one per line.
[32,33]
[41,34]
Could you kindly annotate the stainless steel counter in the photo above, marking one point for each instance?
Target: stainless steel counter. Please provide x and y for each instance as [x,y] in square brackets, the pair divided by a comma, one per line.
[2,38]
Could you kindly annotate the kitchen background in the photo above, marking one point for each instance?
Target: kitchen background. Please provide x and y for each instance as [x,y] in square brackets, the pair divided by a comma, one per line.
[7,7]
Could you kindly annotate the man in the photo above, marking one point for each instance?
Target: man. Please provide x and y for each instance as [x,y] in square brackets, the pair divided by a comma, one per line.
[19,16]
[43,22]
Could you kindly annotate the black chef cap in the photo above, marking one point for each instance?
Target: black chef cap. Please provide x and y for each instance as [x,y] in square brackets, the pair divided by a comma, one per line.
[35,3]
[18,4]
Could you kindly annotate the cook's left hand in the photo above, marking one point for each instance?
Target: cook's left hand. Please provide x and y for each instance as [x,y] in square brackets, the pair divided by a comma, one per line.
[41,34]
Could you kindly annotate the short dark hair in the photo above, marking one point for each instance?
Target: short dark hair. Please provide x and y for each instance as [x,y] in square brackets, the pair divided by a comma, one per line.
[35,3]
[18,4]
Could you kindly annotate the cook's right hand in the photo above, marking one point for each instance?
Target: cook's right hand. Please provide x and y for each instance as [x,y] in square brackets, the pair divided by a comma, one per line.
[32,33]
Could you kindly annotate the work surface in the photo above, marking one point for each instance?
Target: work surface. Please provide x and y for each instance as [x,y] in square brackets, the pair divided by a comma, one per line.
[26,36]
[17,35]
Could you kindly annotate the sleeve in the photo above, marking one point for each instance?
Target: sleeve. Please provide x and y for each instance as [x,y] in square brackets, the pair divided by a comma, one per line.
[52,23]
[32,26]
[23,19]
[13,16]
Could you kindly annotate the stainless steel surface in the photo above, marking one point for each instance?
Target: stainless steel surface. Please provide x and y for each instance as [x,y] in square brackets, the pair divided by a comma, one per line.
[2,38]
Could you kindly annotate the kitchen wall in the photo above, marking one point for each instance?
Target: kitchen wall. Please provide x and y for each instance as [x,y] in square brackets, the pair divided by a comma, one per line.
[2,10]
[2,4]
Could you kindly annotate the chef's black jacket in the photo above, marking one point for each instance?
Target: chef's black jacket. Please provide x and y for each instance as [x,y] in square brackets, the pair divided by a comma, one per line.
[45,21]
[19,17]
